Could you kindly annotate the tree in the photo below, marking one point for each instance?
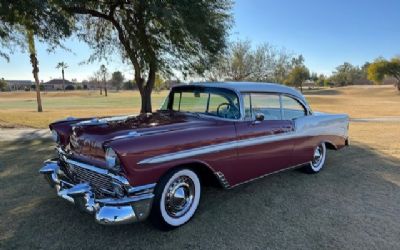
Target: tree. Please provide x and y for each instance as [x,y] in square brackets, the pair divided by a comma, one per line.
[382,68]
[297,76]
[155,36]
[3,85]
[104,73]
[322,80]
[346,74]
[242,62]
[159,83]
[62,66]
[116,79]
[22,21]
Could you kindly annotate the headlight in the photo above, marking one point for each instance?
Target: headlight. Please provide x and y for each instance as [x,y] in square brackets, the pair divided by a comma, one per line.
[112,159]
[55,136]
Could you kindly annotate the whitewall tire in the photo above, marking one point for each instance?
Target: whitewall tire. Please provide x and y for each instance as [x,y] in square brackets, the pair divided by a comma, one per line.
[176,199]
[318,161]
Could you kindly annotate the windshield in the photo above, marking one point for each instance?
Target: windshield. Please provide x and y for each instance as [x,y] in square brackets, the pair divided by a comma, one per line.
[211,101]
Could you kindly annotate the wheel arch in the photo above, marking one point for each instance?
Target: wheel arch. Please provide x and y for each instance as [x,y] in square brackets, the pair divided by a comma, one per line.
[330,145]
[207,175]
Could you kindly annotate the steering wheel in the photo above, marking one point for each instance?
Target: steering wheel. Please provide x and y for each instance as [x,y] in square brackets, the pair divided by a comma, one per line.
[231,110]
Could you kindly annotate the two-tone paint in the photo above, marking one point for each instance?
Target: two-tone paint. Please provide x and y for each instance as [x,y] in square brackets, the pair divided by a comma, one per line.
[233,151]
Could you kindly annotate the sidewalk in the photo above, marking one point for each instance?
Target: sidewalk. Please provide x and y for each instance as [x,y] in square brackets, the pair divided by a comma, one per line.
[10,134]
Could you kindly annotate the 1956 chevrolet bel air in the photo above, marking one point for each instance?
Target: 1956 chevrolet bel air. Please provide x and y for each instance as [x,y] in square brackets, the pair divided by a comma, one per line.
[125,169]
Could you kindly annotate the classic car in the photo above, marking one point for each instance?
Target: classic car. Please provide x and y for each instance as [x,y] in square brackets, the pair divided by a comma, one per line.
[128,168]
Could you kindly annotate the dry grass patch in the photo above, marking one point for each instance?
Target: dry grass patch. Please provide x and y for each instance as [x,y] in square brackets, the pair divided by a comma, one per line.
[18,109]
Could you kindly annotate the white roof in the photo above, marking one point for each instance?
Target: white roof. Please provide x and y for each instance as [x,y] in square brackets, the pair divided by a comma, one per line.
[254,87]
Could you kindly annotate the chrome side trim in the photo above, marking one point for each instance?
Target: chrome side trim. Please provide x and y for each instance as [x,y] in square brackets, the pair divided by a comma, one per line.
[149,188]
[222,180]
[312,125]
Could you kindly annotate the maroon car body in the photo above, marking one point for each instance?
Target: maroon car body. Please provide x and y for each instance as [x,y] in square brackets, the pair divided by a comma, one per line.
[232,148]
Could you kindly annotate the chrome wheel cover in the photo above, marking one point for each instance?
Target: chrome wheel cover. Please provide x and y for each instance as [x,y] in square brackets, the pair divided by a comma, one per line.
[179,196]
[318,155]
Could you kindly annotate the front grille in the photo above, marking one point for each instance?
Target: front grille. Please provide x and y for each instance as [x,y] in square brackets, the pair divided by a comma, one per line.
[102,184]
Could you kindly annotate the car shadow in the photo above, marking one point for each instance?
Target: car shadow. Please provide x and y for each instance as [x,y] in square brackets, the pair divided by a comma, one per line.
[352,203]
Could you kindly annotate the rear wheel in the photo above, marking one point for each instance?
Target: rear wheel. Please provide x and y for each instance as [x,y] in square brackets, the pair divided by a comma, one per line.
[318,160]
[177,197]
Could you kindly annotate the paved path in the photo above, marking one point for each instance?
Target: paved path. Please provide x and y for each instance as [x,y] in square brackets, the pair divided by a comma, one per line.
[10,134]
[377,119]
[7,134]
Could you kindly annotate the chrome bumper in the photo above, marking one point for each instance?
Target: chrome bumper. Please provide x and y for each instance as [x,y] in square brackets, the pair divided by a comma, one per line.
[133,207]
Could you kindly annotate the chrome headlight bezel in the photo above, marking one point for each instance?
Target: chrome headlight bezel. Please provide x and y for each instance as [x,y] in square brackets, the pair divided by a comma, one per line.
[111,159]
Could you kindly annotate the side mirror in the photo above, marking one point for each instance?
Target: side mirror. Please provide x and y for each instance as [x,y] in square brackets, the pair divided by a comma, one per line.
[259,117]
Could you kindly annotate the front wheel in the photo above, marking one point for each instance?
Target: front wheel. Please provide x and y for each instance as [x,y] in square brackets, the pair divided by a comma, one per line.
[318,160]
[176,199]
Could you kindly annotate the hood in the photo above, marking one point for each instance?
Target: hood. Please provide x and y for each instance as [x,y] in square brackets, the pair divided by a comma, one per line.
[90,136]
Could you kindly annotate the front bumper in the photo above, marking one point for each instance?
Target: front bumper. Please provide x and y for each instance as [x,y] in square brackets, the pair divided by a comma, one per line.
[108,210]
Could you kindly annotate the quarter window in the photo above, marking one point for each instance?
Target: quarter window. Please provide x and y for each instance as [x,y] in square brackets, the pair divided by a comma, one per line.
[292,109]
[267,104]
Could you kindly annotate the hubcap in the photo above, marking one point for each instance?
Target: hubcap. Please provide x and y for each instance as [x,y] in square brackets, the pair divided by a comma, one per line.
[318,154]
[179,197]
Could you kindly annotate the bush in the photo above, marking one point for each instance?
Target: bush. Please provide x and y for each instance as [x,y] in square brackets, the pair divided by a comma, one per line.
[70,87]
[79,87]
[128,85]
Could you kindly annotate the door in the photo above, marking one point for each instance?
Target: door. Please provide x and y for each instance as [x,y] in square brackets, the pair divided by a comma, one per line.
[263,146]
[304,144]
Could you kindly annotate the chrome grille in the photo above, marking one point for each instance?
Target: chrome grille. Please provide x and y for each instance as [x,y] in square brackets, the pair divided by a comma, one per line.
[101,183]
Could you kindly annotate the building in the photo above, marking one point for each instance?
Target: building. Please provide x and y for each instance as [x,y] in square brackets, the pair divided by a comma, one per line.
[15,85]
[57,84]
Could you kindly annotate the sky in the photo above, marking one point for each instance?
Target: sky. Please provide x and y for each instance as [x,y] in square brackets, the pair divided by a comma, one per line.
[326,32]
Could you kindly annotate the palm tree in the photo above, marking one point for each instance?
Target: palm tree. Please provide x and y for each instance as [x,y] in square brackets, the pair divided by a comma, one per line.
[62,66]
[103,71]
[35,67]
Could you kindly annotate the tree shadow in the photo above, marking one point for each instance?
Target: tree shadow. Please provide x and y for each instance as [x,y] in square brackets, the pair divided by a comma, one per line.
[322,92]
[352,203]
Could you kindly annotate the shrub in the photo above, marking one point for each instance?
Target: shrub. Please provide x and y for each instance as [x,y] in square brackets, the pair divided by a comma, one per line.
[70,87]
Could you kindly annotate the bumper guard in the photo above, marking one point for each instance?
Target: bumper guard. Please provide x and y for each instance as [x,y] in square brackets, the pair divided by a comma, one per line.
[108,211]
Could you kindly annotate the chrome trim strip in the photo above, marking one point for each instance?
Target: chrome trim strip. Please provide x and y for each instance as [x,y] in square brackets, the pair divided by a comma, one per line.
[125,200]
[216,148]
[142,189]
[312,125]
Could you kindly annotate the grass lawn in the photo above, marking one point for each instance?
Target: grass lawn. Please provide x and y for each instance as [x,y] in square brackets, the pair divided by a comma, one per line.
[19,109]
[352,203]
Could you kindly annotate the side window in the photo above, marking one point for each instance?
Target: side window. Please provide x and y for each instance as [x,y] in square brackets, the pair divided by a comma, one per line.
[268,104]
[292,108]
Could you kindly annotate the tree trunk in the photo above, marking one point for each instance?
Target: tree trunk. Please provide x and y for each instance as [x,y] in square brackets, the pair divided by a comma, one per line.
[145,91]
[63,85]
[100,87]
[146,102]
[35,68]
[105,86]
